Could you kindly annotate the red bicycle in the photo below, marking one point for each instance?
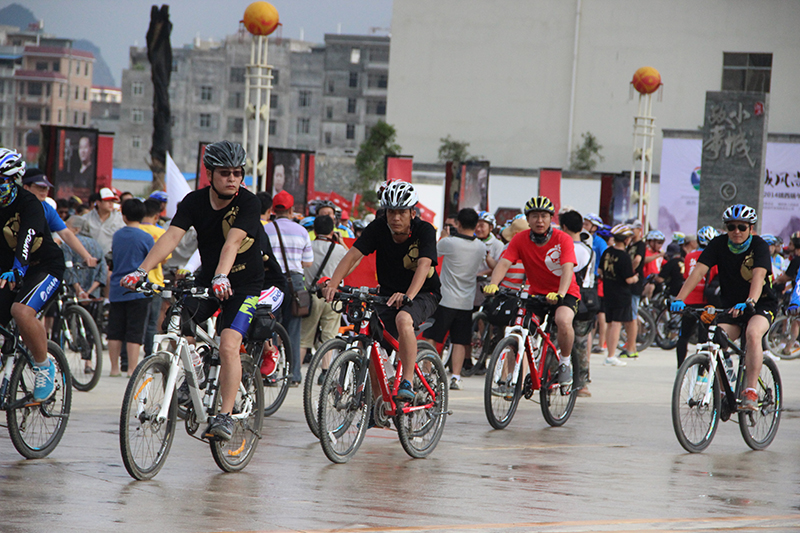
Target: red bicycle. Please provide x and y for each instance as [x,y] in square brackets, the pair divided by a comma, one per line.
[346,400]
[527,340]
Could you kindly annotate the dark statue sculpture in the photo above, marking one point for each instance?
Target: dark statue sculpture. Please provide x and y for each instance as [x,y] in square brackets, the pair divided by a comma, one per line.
[159,53]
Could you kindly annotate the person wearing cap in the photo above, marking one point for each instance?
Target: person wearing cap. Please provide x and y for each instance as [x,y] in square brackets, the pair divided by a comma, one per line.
[636,249]
[36,182]
[328,208]
[619,275]
[103,221]
[294,253]
[162,198]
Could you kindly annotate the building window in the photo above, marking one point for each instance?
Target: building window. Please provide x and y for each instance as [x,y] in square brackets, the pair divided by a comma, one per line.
[84,118]
[137,88]
[376,107]
[273,126]
[351,131]
[355,56]
[380,81]
[305,99]
[35,88]
[235,125]
[329,112]
[77,93]
[237,74]
[136,141]
[174,65]
[41,65]
[746,72]
[2,87]
[59,115]
[46,115]
[85,94]
[351,105]
[86,69]
[275,77]
[303,126]
[205,120]
[379,55]
[56,66]
[137,115]
[2,113]
[236,100]
[328,138]
[354,79]
[206,92]
[75,118]
[331,86]
[77,67]
[47,89]
[273,101]
[34,114]
[61,91]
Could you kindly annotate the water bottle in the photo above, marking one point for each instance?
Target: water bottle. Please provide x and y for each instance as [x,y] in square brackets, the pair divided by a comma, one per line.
[729,370]
[197,365]
[385,360]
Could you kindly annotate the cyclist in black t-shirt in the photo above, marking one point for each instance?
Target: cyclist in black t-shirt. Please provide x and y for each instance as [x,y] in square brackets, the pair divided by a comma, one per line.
[405,258]
[745,269]
[227,219]
[32,267]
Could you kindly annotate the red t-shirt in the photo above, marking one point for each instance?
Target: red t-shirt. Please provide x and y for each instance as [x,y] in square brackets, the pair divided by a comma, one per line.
[696,297]
[654,266]
[543,263]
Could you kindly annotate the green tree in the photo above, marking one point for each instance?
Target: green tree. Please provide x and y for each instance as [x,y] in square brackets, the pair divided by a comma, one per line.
[453,150]
[587,155]
[371,160]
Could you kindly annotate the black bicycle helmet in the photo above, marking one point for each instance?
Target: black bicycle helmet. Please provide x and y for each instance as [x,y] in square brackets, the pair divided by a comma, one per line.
[224,154]
[539,203]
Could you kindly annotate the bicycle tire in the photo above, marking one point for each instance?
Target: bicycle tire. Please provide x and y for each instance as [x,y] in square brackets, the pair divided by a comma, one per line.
[313,380]
[343,418]
[645,333]
[666,335]
[420,431]
[759,428]
[694,423]
[499,403]
[36,428]
[89,343]
[145,442]
[480,344]
[779,336]
[276,385]
[557,404]
[235,454]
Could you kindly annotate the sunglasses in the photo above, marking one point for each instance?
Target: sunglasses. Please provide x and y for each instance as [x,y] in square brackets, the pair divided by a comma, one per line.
[740,227]
[229,173]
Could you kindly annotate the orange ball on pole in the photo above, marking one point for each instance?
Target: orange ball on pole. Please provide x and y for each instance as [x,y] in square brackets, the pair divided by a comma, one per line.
[260,18]
[646,80]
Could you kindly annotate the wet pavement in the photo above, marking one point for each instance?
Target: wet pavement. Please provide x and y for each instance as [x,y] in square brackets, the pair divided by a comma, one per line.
[615,466]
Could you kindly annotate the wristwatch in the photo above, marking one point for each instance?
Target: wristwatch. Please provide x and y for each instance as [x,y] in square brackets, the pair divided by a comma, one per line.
[750,301]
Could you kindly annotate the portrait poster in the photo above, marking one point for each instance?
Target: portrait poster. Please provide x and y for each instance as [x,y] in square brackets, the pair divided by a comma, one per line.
[475,186]
[70,160]
[452,187]
[289,170]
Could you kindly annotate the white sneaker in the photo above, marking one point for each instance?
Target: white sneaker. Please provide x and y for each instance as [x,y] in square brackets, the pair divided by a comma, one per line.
[614,361]
[455,384]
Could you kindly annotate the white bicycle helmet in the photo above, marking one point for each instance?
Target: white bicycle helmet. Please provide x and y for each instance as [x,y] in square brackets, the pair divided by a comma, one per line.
[11,164]
[487,217]
[742,212]
[705,235]
[399,195]
[655,235]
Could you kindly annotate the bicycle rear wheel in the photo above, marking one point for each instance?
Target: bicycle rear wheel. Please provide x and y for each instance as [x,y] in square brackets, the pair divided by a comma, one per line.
[694,420]
[557,404]
[420,431]
[248,416]
[500,399]
[343,408]
[315,374]
[668,329]
[84,352]
[36,428]
[780,336]
[480,347]
[144,439]
[276,384]
[760,427]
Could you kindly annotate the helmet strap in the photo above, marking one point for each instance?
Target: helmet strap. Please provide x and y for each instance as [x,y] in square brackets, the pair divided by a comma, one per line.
[542,238]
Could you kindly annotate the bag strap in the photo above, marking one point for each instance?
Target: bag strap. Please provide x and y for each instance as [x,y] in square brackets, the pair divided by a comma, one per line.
[324,262]
[283,253]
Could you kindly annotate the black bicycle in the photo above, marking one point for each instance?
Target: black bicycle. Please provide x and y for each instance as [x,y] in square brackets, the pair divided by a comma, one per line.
[35,427]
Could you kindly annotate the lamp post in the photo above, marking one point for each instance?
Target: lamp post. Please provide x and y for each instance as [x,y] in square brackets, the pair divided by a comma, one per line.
[646,81]
[260,20]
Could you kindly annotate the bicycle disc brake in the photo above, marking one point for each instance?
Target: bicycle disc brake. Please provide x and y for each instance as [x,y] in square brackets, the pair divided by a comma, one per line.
[191,421]
[527,387]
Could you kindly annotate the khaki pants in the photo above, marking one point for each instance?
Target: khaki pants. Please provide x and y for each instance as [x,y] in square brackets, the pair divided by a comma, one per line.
[322,314]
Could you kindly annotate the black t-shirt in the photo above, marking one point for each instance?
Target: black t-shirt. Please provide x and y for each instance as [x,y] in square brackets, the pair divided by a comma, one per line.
[672,272]
[616,267]
[736,270]
[638,248]
[793,267]
[396,262]
[26,236]
[244,212]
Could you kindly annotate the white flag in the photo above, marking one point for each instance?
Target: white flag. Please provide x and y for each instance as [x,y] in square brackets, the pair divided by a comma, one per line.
[177,187]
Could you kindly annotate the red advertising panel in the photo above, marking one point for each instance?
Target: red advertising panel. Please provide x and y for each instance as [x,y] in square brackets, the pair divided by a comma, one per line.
[399,167]
[550,185]
[425,214]
[202,177]
[105,160]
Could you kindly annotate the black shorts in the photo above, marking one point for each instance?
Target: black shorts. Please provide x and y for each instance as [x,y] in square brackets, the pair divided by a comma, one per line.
[617,311]
[766,309]
[456,321]
[197,310]
[423,306]
[38,287]
[127,320]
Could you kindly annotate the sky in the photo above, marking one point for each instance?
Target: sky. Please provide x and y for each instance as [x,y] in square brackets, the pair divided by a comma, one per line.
[116,25]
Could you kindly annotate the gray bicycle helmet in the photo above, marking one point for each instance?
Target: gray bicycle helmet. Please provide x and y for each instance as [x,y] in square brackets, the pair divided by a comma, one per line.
[224,154]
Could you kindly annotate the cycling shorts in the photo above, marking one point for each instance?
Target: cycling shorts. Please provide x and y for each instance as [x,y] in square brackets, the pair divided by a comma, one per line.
[38,287]
[271,297]
[766,309]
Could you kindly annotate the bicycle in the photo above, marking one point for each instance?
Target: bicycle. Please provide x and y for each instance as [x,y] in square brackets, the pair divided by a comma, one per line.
[75,331]
[277,346]
[35,428]
[645,334]
[150,406]
[780,337]
[707,389]
[530,339]
[346,396]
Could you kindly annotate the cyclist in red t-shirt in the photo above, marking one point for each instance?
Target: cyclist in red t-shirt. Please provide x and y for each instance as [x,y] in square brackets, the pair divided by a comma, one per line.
[548,256]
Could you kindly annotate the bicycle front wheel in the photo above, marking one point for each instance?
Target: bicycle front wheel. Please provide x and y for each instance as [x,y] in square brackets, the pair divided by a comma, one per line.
[36,428]
[420,430]
[84,351]
[315,374]
[694,418]
[557,401]
[248,416]
[500,397]
[480,347]
[760,427]
[668,329]
[144,438]
[276,384]
[344,407]
[780,339]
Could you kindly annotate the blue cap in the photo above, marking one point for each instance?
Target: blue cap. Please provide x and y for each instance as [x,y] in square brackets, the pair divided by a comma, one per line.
[161,196]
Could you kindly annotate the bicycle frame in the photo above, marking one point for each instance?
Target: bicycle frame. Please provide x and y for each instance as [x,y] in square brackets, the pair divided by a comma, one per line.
[532,349]
[715,362]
